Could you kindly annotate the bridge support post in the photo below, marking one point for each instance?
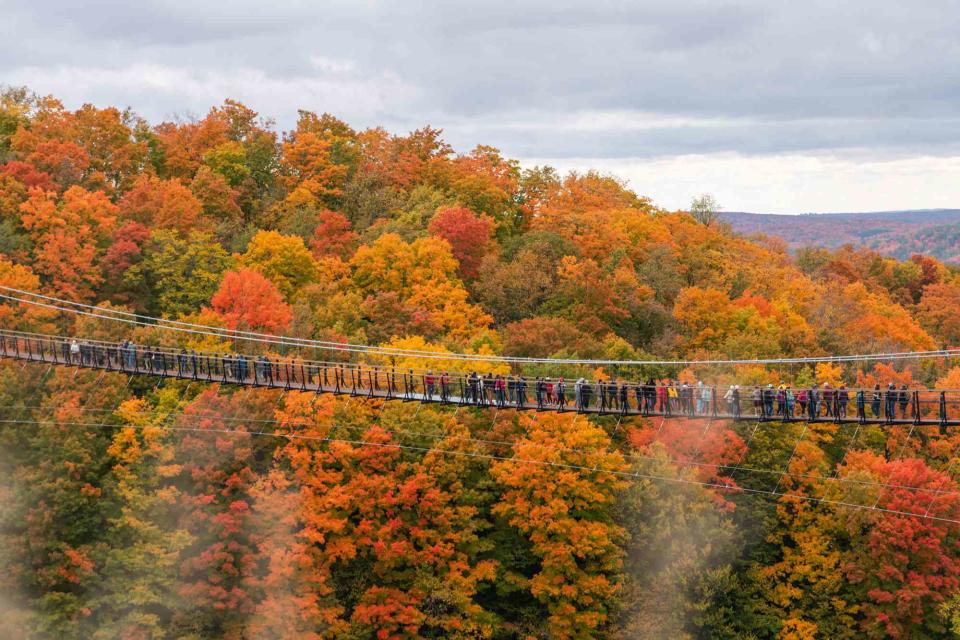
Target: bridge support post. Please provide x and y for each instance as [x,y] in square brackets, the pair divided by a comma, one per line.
[943,409]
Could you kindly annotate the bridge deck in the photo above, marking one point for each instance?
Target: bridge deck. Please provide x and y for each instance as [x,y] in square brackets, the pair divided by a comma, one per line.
[926,407]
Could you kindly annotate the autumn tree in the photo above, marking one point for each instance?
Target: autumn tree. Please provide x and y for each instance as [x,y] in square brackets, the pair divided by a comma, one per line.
[95,148]
[564,510]
[162,204]
[308,157]
[284,260]
[137,569]
[468,235]
[248,301]
[16,315]
[67,233]
[175,275]
[15,106]
[677,561]
[218,473]
[902,566]
[333,236]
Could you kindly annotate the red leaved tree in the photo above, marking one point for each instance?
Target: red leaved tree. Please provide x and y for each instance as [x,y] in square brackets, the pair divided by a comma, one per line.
[247,300]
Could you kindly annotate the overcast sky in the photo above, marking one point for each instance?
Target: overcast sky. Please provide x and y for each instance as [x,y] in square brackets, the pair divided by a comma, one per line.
[771,106]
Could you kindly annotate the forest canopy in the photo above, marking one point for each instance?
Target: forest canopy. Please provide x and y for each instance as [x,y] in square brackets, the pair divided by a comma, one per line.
[128,513]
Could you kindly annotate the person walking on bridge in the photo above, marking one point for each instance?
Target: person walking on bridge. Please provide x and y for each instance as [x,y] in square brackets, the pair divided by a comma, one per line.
[843,399]
[728,399]
[686,399]
[904,400]
[892,396]
[768,396]
[650,393]
[499,388]
[429,382]
[814,401]
[445,386]
[612,393]
[472,386]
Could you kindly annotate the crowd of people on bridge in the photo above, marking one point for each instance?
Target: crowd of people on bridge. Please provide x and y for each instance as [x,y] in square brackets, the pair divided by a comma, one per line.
[654,397]
[673,397]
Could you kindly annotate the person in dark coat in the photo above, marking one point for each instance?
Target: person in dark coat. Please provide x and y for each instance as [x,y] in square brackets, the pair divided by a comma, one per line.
[843,398]
[904,400]
[892,396]
[814,401]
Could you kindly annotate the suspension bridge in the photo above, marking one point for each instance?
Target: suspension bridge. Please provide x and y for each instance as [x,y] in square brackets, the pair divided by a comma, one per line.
[938,407]
[449,383]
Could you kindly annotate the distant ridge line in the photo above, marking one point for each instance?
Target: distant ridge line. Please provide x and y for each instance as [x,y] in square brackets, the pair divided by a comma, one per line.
[898,234]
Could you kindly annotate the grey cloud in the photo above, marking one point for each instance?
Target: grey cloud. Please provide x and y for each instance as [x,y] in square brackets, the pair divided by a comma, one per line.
[817,75]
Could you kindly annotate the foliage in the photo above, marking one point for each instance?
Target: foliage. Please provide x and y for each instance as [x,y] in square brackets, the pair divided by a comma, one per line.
[136,509]
[248,301]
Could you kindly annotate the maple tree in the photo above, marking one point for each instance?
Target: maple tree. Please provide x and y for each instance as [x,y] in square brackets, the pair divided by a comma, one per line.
[560,509]
[248,301]
[903,566]
[468,235]
[333,236]
[66,233]
[161,204]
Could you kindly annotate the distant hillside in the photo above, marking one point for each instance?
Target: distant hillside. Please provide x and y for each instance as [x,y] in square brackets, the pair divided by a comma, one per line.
[934,232]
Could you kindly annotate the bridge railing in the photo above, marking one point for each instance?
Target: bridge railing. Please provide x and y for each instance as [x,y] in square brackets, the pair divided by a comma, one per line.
[612,397]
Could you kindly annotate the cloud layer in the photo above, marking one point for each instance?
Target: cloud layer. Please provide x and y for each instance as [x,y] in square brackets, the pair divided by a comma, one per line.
[758,98]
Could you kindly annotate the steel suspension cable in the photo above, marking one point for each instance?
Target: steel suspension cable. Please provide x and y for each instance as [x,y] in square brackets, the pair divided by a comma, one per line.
[208,330]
